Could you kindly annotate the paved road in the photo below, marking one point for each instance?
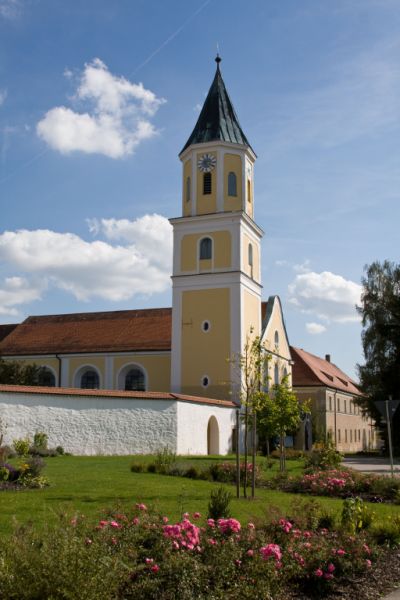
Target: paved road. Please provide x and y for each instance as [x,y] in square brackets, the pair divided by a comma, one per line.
[372,465]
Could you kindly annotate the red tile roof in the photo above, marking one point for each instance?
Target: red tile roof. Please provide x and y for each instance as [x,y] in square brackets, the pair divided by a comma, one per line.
[5,330]
[116,331]
[311,370]
[25,389]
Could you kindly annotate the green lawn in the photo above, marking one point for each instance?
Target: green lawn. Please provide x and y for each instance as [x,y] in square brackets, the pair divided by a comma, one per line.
[90,485]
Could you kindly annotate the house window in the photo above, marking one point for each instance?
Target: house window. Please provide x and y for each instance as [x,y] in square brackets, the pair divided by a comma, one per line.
[351,435]
[187,189]
[345,405]
[207,183]
[338,404]
[345,435]
[46,377]
[339,436]
[250,250]
[206,248]
[134,380]
[330,403]
[276,338]
[276,374]
[232,184]
[90,380]
[205,381]
[205,326]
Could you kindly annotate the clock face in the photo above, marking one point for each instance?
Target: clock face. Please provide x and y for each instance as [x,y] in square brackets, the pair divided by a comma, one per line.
[206,163]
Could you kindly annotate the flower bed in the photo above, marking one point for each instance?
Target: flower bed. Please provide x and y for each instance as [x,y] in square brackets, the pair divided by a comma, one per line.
[342,483]
[143,556]
[26,475]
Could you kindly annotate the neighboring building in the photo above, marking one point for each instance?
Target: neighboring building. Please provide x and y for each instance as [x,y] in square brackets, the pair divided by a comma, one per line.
[334,397]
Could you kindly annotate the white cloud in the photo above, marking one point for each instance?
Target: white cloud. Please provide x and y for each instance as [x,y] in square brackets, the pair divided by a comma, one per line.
[315,328]
[3,96]
[10,9]
[327,296]
[15,291]
[98,268]
[116,119]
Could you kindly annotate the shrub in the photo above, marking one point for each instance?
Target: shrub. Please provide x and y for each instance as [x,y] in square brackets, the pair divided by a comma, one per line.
[138,467]
[290,453]
[192,473]
[22,446]
[324,456]
[226,472]
[219,504]
[40,440]
[60,450]
[356,516]
[152,468]
[4,473]
[165,459]
[13,473]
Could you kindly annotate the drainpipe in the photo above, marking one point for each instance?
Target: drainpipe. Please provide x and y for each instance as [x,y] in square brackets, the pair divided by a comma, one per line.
[59,370]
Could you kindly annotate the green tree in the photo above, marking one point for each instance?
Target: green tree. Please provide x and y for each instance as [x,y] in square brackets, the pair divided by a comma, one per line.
[380,312]
[13,372]
[281,414]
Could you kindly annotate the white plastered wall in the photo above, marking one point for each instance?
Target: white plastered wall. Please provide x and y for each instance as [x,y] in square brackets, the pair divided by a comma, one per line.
[192,427]
[88,425]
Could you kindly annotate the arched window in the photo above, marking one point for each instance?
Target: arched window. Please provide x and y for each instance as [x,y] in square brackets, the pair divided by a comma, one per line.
[90,380]
[276,338]
[207,183]
[134,380]
[249,190]
[232,184]
[276,374]
[250,249]
[187,189]
[46,377]
[206,249]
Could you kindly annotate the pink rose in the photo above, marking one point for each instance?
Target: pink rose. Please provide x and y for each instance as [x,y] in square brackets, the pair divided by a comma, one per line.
[318,573]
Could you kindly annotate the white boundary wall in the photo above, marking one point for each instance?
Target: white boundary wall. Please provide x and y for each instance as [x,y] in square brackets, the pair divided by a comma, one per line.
[90,425]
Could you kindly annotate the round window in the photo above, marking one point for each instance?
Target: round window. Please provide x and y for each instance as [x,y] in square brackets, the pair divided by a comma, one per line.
[205,381]
[205,326]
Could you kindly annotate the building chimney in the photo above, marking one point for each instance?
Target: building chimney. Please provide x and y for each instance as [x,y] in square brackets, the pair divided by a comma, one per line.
[328,357]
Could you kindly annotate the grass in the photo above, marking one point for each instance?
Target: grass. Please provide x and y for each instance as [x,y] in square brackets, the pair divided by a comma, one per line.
[90,485]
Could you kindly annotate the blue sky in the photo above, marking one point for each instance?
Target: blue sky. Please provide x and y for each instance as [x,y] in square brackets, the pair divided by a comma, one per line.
[97,98]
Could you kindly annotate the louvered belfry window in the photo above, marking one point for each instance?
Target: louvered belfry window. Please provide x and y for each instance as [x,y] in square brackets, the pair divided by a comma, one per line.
[207,183]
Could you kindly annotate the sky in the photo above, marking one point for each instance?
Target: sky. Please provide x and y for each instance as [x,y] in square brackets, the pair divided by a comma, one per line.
[97,99]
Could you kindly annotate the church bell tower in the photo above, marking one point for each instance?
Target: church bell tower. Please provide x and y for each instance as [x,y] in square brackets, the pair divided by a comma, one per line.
[216,258]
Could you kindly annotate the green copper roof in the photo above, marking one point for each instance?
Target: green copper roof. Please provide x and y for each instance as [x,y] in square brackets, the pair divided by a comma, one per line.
[217,120]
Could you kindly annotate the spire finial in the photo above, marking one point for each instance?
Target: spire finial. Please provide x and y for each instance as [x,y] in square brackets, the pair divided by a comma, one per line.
[218,58]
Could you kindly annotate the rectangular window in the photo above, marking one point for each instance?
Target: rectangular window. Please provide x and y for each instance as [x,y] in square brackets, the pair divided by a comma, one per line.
[345,435]
[359,435]
[338,404]
[351,435]
[339,436]
[345,406]
[330,403]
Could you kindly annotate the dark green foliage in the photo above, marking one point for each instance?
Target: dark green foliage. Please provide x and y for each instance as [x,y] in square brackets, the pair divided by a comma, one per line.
[137,467]
[219,505]
[40,440]
[13,372]
[192,473]
[323,456]
[380,312]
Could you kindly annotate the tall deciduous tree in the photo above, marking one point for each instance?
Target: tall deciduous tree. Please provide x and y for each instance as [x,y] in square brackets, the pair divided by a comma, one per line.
[380,312]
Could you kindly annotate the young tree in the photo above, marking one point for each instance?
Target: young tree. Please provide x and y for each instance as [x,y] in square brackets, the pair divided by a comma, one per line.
[253,376]
[380,312]
[13,372]
[282,413]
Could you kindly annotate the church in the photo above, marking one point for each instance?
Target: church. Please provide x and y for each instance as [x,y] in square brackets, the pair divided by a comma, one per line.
[185,351]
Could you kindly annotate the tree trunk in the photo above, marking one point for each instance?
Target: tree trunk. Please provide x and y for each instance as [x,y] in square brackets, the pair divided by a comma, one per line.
[253,462]
[246,449]
[281,453]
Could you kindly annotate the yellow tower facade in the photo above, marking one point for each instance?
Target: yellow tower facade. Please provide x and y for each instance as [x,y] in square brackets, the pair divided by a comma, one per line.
[216,261]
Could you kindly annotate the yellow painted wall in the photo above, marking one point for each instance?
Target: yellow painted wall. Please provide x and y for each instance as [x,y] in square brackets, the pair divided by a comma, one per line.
[251,314]
[206,353]
[222,251]
[233,162]
[187,172]
[256,257]
[206,204]
[158,369]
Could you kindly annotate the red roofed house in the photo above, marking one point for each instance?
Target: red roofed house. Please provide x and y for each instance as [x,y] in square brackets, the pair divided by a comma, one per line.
[333,394]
